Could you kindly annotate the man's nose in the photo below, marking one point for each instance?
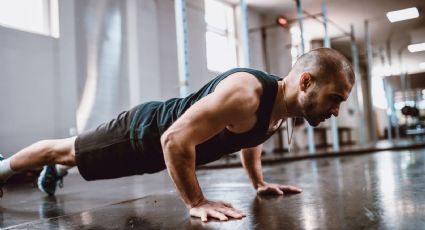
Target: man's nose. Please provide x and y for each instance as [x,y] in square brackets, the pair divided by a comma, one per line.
[335,111]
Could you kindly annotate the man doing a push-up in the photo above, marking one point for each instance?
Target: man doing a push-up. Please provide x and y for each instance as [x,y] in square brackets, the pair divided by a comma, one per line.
[236,111]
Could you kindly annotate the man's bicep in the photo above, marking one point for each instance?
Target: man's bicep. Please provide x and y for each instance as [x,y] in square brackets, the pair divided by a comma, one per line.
[201,121]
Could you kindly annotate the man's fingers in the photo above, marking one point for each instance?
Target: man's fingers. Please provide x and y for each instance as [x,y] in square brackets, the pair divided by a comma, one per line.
[216,210]
[231,212]
[271,191]
[204,216]
[278,191]
[199,213]
[227,204]
[218,215]
[239,211]
[290,189]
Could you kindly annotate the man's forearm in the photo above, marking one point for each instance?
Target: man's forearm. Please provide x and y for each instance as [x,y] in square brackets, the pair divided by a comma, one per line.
[251,161]
[181,167]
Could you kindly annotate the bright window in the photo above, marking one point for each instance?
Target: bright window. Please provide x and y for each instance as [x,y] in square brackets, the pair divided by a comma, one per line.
[36,16]
[220,36]
[378,91]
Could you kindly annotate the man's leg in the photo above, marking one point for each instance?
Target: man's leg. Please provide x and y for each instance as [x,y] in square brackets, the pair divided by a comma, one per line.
[46,152]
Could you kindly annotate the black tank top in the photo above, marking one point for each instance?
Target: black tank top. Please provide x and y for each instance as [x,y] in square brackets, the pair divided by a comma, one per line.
[152,119]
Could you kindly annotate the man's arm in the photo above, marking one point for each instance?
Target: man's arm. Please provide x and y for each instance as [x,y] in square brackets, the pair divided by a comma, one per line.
[251,161]
[228,104]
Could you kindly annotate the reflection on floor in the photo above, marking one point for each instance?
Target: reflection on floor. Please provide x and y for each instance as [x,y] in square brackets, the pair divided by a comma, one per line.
[270,157]
[384,190]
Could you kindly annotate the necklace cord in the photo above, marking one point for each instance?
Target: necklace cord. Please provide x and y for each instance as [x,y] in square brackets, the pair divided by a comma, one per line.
[289,137]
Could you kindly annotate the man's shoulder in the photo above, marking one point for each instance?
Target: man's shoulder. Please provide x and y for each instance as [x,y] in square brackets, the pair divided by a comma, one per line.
[249,70]
[240,90]
[242,83]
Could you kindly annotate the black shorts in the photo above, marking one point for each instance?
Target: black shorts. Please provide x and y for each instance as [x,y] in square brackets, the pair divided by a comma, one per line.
[108,152]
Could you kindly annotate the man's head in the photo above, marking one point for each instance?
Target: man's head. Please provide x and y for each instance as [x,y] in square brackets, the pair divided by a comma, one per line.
[324,78]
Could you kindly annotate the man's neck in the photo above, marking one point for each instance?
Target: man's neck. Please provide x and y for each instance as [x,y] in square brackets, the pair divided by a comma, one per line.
[284,105]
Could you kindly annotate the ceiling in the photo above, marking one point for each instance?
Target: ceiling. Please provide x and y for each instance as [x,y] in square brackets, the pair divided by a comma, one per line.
[343,13]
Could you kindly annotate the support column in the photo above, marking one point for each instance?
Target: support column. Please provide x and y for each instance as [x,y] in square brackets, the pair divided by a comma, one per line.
[369,52]
[402,84]
[389,95]
[386,90]
[393,121]
[182,46]
[133,52]
[310,130]
[327,44]
[358,87]
[66,117]
[245,34]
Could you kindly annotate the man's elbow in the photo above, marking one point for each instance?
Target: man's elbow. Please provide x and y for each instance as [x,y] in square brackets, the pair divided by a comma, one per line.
[171,146]
[168,142]
[165,140]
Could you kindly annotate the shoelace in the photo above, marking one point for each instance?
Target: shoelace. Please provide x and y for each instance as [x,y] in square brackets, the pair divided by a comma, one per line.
[60,179]
[60,182]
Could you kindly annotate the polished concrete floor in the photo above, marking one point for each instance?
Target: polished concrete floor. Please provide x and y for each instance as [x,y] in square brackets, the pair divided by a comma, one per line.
[385,190]
[272,156]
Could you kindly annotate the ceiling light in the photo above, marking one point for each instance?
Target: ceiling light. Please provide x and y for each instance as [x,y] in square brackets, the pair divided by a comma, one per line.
[416,47]
[404,14]
[422,65]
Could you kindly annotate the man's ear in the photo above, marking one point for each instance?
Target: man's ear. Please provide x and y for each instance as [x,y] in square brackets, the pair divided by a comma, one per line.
[305,81]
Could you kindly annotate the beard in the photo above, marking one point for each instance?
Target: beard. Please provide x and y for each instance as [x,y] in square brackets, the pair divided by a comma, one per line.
[309,110]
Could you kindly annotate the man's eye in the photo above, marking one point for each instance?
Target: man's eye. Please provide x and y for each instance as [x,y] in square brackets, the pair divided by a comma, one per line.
[336,98]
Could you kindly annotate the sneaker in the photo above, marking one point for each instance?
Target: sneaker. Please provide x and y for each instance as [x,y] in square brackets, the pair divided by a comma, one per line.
[1,182]
[49,178]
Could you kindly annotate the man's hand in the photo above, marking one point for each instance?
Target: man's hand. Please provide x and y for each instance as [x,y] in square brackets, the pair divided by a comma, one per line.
[217,209]
[276,189]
